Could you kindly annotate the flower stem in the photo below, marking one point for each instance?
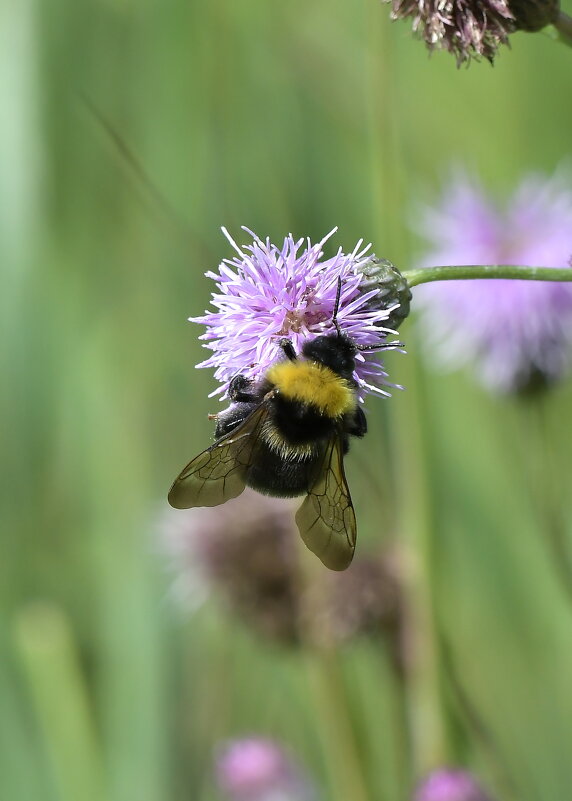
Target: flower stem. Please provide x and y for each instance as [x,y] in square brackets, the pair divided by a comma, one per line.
[547,490]
[454,273]
[333,716]
[419,527]
[563,25]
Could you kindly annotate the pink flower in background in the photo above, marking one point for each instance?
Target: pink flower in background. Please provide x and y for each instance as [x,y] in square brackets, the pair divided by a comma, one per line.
[516,334]
[258,769]
[267,293]
[450,785]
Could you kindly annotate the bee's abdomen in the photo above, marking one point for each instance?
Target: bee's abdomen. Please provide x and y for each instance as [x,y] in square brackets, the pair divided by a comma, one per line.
[300,423]
[274,473]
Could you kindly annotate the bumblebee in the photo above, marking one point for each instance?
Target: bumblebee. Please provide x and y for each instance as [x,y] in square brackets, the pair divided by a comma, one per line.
[285,435]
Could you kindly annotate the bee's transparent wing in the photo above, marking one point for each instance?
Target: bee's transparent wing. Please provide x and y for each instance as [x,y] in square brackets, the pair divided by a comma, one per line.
[326,519]
[218,474]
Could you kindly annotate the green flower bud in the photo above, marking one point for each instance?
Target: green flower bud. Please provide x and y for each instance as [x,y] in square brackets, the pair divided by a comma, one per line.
[392,289]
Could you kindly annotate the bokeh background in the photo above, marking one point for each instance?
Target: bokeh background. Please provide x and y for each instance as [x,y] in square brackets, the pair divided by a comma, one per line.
[131,131]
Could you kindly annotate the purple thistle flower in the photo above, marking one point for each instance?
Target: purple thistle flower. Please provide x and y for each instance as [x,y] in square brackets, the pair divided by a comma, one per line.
[517,334]
[258,769]
[447,784]
[267,293]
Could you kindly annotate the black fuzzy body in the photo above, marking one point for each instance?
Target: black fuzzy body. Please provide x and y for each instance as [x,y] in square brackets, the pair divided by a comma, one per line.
[302,429]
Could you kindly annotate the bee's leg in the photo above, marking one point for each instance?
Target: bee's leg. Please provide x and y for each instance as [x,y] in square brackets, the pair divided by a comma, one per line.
[356,424]
[288,348]
[241,390]
[229,419]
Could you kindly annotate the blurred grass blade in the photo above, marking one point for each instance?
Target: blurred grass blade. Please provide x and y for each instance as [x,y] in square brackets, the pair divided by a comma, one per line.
[48,654]
[338,738]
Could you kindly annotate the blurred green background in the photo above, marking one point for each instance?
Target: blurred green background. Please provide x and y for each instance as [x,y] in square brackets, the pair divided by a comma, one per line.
[131,131]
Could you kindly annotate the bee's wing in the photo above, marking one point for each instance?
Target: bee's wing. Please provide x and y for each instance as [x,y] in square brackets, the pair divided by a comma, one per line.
[218,474]
[326,519]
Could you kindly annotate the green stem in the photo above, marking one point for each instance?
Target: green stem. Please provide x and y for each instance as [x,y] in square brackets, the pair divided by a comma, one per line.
[563,25]
[329,697]
[414,459]
[327,689]
[548,491]
[454,273]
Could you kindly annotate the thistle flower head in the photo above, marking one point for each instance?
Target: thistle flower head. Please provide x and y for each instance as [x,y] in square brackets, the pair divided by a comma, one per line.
[258,769]
[246,552]
[366,599]
[474,28]
[517,334]
[266,293]
[450,785]
[466,28]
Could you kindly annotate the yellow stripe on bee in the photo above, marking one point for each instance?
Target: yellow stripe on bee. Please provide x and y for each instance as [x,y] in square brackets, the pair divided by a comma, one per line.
[310,382]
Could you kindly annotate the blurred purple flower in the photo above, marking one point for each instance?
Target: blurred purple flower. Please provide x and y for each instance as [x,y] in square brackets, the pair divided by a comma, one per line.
[518,334]
[244,549]
[364,600]
[258,769]
[246,552]
[267,293]
[450,785]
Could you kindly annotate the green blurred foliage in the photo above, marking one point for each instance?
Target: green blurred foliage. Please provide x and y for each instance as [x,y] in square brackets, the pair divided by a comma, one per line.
[131,132]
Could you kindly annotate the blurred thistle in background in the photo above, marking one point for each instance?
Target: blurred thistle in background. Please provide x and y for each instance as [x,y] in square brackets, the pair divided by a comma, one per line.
[446,784]
[268,293]
[516,334]
[259,769]
[247,553]
[243,551]
[475,28]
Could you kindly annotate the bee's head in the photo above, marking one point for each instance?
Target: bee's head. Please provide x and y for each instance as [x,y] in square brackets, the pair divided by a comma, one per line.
[335,351]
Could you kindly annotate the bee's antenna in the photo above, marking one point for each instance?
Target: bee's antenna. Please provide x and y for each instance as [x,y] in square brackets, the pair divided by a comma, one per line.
[381,346]
[336,308]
